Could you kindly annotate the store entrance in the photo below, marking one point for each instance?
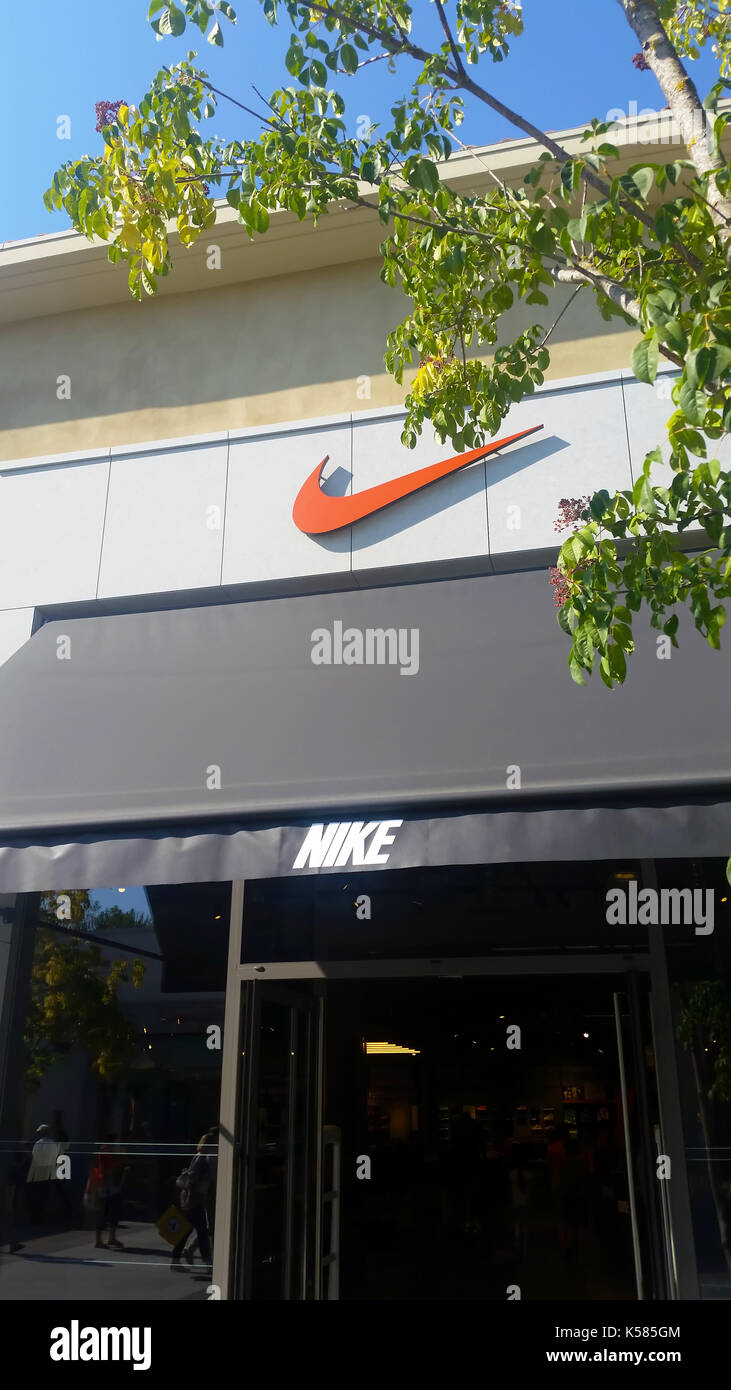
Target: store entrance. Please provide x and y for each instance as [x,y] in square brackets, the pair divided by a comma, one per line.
[464,1135]
[491,1114]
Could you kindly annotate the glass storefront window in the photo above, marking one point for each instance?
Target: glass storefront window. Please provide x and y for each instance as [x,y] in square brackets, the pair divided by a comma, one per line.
[112,1065]
[699,964]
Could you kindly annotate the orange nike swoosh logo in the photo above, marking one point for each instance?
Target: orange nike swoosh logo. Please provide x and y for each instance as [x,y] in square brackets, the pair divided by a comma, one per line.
[315,513]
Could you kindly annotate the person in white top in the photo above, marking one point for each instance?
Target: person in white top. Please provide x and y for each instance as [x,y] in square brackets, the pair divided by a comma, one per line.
[41,1173]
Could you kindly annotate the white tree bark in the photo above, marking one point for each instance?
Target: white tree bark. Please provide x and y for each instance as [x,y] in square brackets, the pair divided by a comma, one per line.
[682,97]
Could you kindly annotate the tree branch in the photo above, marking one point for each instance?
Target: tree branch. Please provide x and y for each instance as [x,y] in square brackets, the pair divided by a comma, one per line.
[682,97]
[624,299]
[455,51]
[463,80]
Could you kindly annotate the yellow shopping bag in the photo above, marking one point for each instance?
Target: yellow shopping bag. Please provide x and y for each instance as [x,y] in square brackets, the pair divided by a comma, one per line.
[172,1225]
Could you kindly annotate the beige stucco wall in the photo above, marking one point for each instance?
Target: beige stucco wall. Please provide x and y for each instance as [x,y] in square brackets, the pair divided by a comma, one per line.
[285,348]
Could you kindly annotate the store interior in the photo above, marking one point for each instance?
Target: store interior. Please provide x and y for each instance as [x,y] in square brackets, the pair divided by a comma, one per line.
[491,1113]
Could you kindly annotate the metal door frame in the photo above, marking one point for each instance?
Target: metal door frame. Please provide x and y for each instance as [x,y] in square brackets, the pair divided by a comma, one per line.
[449,967]
[306,1020]
[682,1254]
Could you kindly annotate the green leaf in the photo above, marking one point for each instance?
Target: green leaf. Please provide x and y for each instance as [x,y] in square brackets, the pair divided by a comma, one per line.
[584,644]
[425,175]
[605,672]
[575,549]
[564,621]
[664,224]
[570,176]
[261,219]
[623,637]
[576,227]
[646,359]
[617,663]
[697,367]
[216,35]
[172,21]
[643,177]
[720,362]
[716,621]
[690,439]
[542,238]
[599,504]
[293,58]
[693,403]
[349,58]
[577,673]
[642,496]
[673,334]
[662,306]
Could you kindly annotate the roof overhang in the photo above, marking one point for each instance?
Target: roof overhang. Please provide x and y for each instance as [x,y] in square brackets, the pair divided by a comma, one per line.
[63,271]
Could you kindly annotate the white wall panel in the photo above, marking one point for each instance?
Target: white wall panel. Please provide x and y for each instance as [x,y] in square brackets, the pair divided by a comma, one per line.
[143,520]
[445,521]
[265,475]
[50,533]
[165,518]
[15,629]
[648,410]
[582,447]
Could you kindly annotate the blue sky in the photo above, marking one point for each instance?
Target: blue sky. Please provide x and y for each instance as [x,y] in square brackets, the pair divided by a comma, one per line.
[128,899]
[62,58]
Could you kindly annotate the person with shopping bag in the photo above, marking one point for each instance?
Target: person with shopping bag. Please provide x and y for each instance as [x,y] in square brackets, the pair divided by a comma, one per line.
[194,1184]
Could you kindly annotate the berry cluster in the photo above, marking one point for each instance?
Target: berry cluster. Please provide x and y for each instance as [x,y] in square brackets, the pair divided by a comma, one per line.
[570,511]
[641,62]
[106,112]
[560,586]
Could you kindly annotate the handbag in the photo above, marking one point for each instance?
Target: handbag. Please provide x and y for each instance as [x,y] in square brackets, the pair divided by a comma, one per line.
[193,1183]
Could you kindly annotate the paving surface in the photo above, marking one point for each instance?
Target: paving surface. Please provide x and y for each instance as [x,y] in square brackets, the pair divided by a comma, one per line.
[67,1266]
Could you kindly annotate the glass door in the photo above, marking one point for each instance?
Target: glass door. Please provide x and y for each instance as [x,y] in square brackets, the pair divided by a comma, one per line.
[493,1140]
[646,1184]
[280,1157]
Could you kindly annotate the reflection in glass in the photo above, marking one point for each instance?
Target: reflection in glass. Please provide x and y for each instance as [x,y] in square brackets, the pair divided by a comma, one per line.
[108,1137]
[700,971]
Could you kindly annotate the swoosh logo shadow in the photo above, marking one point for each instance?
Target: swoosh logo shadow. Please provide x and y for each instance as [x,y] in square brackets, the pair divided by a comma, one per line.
[507,465]
[430,502]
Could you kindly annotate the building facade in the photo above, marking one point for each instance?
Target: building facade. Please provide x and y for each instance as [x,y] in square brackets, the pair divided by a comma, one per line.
[347,948]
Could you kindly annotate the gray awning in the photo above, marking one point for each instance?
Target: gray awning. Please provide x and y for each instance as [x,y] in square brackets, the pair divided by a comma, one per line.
[673,830]
[116,729]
